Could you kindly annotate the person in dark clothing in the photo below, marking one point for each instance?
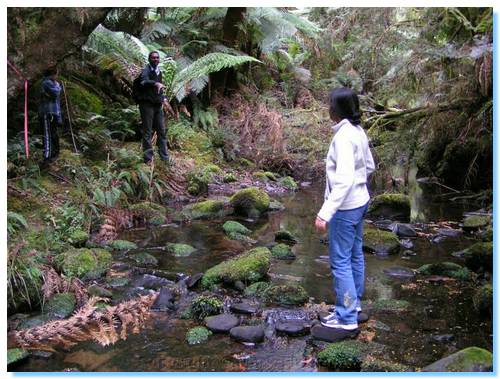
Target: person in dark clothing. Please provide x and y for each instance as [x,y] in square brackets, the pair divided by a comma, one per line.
[49,114]
[151,108]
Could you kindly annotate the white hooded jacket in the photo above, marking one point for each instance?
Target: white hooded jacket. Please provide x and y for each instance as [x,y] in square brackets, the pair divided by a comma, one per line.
[348,164]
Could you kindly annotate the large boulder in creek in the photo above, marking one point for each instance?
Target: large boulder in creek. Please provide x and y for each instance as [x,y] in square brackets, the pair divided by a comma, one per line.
[250,202]
[84,263]
[449,269]
[285,294]
[394,206]
[380,242]
[248,267]
[150,213]
[479,257]
[205,210]
[471,359]
[248,333]
[475,222]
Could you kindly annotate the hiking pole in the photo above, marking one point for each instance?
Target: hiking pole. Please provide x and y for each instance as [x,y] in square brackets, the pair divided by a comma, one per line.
[69,118]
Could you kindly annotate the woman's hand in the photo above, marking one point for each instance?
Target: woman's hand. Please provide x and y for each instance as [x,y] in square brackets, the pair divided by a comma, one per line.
[320,225]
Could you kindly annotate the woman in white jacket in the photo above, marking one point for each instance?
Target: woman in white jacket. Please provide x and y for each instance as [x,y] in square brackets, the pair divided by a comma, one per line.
[348,164]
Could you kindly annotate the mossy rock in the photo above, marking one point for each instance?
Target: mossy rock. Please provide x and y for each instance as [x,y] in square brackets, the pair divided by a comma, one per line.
[391,205]
[479,256]
[286,294]
[285,236]
[78,238]
[487,235]
[476,222]
[204,306]
[248,267]
[122,245]
[83,100]
[282,251]
[16,355]
[144,259]
[246,162]
[60,306]
[235,227]
[152,213]
[84,263]
[380,242]
[117,281]
[342,356]
[250,202]
[34,321]
[180,249]
[205,210]
[483,299]
[95,290]
[378,365]
[275,205]
[449,269]
[197,335]
[289,183]
[471,359]
[229,178]
[390,305]
[265,176]
[256,289]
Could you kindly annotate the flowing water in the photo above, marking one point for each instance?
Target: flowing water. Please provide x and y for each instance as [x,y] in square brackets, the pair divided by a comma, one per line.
[413,338]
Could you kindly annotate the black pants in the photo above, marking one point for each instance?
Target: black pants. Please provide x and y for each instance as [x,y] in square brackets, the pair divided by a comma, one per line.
[152,120]
[49,124]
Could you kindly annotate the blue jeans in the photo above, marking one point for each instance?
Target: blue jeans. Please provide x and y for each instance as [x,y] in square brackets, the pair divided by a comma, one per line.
[347,262]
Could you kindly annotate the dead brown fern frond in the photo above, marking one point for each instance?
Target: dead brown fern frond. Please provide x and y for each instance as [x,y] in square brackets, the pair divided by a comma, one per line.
[54,283]
[88,323]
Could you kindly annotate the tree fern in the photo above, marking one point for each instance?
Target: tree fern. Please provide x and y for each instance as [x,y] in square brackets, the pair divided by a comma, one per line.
[202,67]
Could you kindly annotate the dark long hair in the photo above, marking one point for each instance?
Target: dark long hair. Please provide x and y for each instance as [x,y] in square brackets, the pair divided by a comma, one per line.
[344,103]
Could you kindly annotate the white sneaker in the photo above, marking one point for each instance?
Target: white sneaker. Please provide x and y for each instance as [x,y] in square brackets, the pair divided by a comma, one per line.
[336,324]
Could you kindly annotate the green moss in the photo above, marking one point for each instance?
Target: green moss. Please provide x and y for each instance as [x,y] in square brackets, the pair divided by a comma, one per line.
[483,299]
[256,289]
[82,100]
[479,256]
[16,355]
[197,335]
[391,205]
[476,222]
[122,245]
[153,213]
[235,227]
[260,175]
[246,162]
[275,205]
[289,183]
[471,359]
[95,290]
[380,241]
[390,305]
[83,263]
[282,251]
[285,236]
[205,305]
[180,249]
[450,269]
[378,365]
[78,237]
[248,267]
[117,281]
[144,259]
[341,356]
[286,294]
[229,178]
[250,202]
[207,209]
[60,305]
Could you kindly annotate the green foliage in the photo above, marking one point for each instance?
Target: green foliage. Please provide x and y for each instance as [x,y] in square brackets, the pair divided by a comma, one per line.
[282,251]
[450,269]
[286,294]
[60,305]
[205,305]
[122,245]
[289,183]
[83,263]
[68,221]
[198,334]
[256,289]
[342,356]
[15,222]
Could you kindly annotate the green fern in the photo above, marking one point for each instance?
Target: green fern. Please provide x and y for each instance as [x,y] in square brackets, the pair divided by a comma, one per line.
[15,222]
[201,68]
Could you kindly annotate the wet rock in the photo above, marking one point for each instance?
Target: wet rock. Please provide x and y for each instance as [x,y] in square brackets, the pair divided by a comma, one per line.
[248,333]
[372,364]
[286,294]
[16,355]
[383,224]
[379,325]
[152,282]
[483,299]
[292,328]
[239,285]
[404,230]
[380,242]
[164,301]
[197,335]
[479,257]
[256,289]
[390,305]
[438,238]
[248,267]
[443,338]
[236,231]
[285,236]
[60,305]
[399,272]
[33,321]
[449,232]
[471,359]
[193,280]
[450,269]
[42,354]
[275,205]
[282,251]
[205,210]
[117,281]
[122,245]
[250,202]
[180,249]
[406,243]
[151,213]
[144,259]
[244,308]
[222,323]
[83,263]
[409,253]
[395,206]
[475,222]
[95,290]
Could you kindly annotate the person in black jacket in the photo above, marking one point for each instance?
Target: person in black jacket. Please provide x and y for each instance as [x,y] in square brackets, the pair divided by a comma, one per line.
[49,114]
[150,106]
